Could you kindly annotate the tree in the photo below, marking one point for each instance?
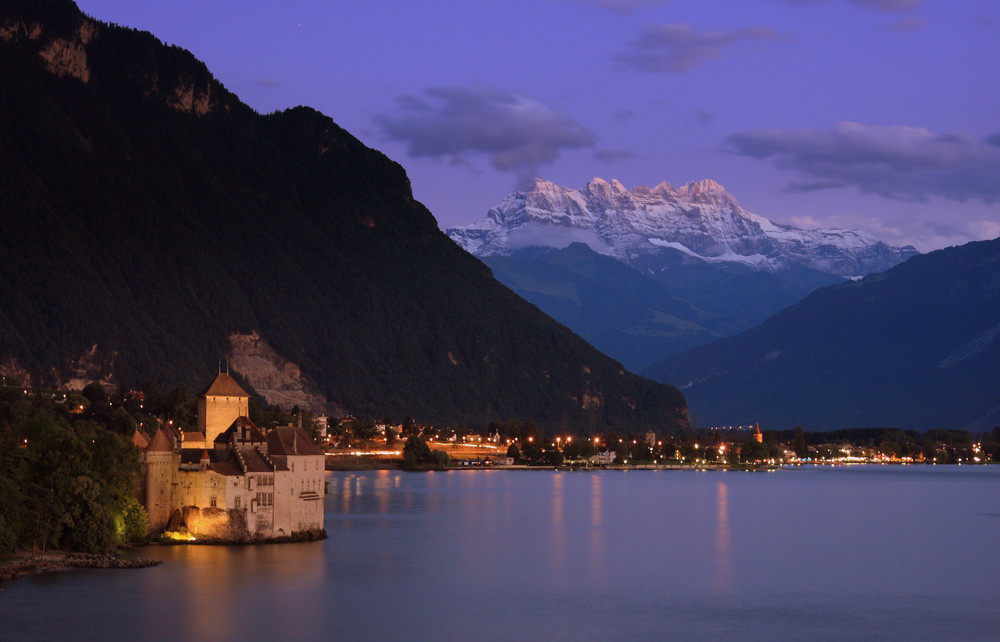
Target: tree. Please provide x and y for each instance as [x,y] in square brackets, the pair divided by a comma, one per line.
[513,452]
[753,451]
[439,458]
[799,442]
[417,454]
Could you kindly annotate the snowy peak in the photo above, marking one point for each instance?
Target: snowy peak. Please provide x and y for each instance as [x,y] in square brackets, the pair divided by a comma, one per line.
[700,220]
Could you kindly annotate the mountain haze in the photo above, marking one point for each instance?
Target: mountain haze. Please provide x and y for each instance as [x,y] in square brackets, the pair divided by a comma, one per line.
[619,310]
[153,224]
[915,347]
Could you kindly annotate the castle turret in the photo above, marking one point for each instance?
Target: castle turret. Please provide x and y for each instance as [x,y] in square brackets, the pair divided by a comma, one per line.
[219,405]
[161,462]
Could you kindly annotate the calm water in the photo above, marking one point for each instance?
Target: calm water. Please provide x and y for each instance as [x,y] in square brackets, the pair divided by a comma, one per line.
[847,553]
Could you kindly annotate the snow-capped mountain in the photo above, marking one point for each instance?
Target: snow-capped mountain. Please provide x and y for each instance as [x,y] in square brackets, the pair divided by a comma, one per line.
[700,220]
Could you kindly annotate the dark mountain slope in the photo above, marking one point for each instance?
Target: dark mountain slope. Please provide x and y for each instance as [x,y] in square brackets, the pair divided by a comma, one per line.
[147,215]
[617,309]
[914,347]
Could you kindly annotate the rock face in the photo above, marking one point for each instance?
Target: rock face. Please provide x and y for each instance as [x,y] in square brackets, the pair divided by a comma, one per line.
[700,220]
[275,378]
[63,56]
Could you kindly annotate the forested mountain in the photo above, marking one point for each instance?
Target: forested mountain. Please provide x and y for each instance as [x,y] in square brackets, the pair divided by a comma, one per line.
[914,347]
[149,217]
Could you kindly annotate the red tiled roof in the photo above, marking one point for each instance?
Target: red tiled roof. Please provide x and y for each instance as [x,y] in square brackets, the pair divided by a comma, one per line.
[223,386]
[254,461]
[227,468]
[291,440]
[253,433]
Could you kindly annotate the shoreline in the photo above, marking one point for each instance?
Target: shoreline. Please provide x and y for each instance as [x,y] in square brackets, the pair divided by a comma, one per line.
[21,565]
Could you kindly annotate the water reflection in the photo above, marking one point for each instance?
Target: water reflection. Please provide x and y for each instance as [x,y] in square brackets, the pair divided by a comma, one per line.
[596,516]
[723,576]
[557,499]
[210,585]
[383,489]
[557,551]
[596,546]
[525,555]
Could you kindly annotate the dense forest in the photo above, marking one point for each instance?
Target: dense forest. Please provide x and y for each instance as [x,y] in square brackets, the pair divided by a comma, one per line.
[70,473]
[149,214]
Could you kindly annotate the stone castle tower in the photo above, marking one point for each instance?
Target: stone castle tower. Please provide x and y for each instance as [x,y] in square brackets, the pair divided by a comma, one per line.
[160,461]
[219,405]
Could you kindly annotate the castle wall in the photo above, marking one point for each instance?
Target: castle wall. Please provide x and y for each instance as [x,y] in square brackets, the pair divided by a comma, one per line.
[300,493]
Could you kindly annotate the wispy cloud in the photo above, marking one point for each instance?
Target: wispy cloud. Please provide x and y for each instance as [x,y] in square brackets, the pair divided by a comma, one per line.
[904,163]
[909,24]
[880,5]
[516,133]
[626,7]
[889,5]
[679,48]
[559,236]
[613,155]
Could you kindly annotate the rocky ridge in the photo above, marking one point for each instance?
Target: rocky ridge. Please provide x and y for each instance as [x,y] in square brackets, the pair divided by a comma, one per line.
[700,220]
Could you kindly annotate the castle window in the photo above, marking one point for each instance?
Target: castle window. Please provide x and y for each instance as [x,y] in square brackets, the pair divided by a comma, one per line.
[212,502]
[237,503]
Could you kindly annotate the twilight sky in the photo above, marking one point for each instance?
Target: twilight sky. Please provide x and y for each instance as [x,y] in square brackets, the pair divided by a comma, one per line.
[882,115]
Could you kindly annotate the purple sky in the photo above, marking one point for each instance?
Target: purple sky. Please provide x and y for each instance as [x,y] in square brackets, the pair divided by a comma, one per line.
[882,115]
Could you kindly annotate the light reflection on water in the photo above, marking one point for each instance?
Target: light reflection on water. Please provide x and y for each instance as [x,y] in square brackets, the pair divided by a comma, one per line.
[858,553]
[723,562]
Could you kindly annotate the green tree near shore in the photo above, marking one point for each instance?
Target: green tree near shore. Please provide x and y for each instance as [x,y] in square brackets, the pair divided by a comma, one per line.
[417,455]
[68,485]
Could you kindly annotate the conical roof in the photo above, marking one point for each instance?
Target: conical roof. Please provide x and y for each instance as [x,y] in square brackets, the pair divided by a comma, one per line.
[140,439]
[223,386]
[160,442]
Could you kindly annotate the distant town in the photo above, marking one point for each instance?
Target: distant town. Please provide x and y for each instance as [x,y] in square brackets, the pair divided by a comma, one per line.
[350,443]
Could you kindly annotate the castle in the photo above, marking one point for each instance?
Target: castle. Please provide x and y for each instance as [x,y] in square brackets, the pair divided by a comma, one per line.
[230,480]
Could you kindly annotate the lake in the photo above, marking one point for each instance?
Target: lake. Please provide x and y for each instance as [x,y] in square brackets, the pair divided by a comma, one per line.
[857,552]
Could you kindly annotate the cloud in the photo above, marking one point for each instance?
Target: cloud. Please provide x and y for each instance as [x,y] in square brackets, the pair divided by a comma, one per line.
[878,5]
[889,5]
[613,155]
[679,48]
[626,7]
[705,117]
[516,133]
[812,186]
[903,163]
[910,24]
[881,5]
[557,236]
